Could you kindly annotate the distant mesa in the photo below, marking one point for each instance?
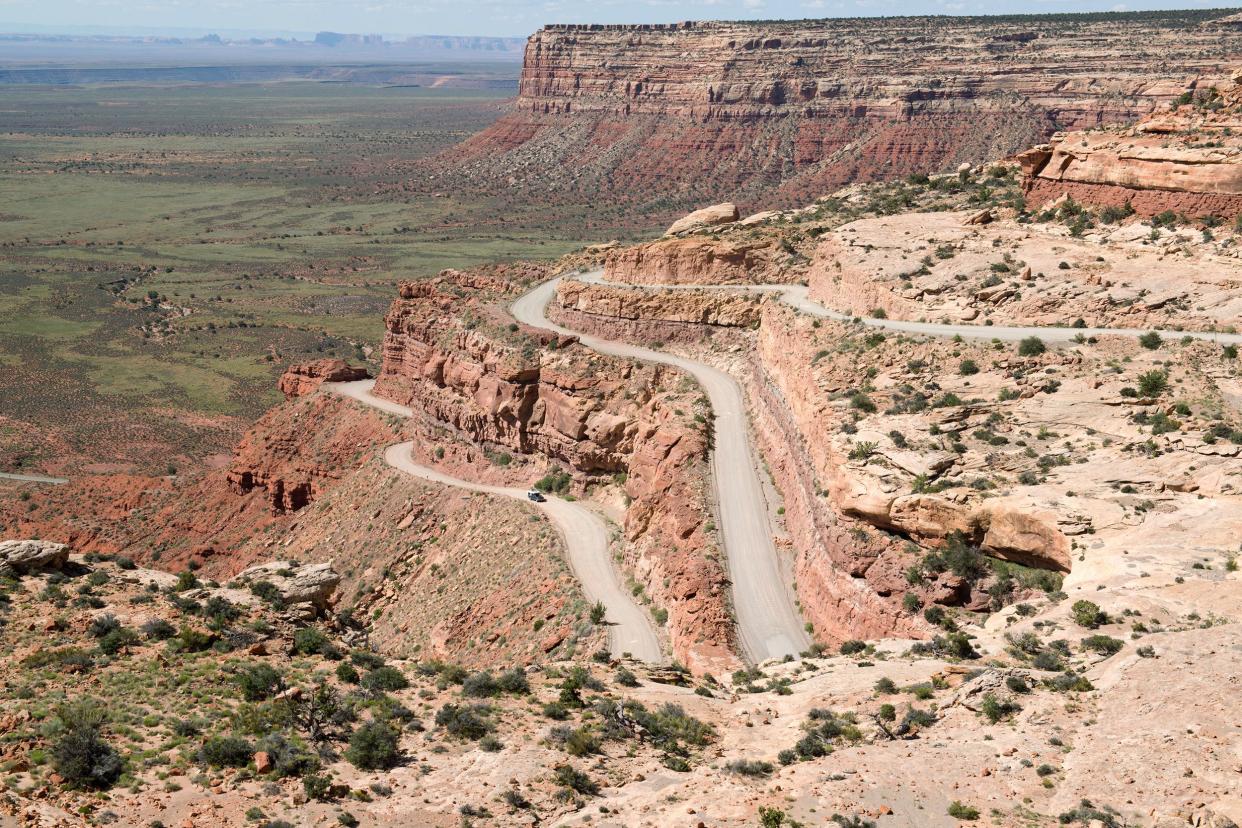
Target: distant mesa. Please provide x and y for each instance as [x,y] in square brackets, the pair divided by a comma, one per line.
[786,110]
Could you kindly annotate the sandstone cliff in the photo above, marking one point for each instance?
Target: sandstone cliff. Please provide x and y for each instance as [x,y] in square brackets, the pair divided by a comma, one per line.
[1187,160]
[693,110]
[534,401]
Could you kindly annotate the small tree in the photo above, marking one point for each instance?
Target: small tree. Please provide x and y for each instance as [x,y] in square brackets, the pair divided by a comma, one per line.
[598,611]
[81,755]
[374,746]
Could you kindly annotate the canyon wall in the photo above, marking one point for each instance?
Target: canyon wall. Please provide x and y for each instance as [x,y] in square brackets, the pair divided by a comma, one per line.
[544,403]
[779,111]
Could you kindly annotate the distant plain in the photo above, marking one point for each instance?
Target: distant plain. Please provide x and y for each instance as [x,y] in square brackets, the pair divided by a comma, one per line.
[166,249]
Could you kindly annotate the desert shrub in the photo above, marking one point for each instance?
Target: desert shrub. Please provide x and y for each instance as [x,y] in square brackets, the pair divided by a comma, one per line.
[347,673]
[968,367]
[558,482]
[366,660]
[101,625]
[1088,614]
[1152,383]
[749,767]
[625,678]
[1151,340]
[575,780]
[886,686]
[994,709]
[481,685]
[310,641]
[289,758]
[513,681]
[226,752]
[385,678]
[1017,684]
[576,741]
[863,403]
[776,818]
[464,721]
[190,640]
[965,812]
[122,638]
[668,727]
[1031,346]
[1070,683]
[158,629]
[1103,644]
[259,682]
[853,646]
[318,787]
[374,746]
[1086,813]
[81,755]
[267,591]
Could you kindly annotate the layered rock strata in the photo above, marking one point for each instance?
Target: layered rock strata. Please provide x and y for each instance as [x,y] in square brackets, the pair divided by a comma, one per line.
[800,107]
[1187,160]
[473,375]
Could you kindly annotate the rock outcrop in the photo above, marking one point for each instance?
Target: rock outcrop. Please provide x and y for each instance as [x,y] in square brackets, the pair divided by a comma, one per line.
[670,310]
[696,260]
[712,216]
[292,455]
[305,378]
[25,556]
[294,583]
[1187,160]
[695,111]
[538,399]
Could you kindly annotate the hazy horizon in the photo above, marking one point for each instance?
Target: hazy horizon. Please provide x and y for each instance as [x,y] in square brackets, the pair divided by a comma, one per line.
[476,18]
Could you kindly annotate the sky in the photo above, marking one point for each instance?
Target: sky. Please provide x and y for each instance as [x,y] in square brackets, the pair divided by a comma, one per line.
[512,18]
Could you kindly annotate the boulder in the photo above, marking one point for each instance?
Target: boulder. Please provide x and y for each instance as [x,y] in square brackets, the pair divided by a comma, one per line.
[300,380]
[263,762]
[27,556]
[725,213]
[1026,537]
[296,583]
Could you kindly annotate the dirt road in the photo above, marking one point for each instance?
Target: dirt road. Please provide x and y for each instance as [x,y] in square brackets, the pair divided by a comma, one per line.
[768,624]
[585,534]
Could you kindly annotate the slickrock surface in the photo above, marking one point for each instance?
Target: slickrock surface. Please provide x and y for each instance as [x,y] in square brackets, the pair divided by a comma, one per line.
[1052,269]
[743,109]
[1187,159]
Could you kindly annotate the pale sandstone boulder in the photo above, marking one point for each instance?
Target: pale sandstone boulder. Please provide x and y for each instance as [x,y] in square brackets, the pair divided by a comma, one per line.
[297,583]
[1026,537]
[26,556]
[725,213]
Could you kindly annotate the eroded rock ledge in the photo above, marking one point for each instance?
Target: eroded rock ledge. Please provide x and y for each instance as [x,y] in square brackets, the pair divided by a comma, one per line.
[544,402]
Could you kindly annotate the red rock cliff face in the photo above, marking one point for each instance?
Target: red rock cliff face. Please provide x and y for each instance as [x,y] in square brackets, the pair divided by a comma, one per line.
[460,363]
[704,108]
